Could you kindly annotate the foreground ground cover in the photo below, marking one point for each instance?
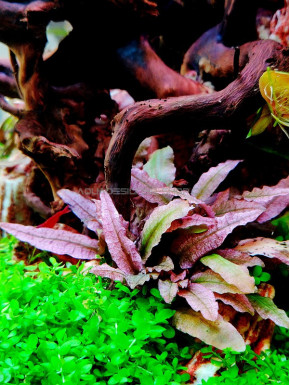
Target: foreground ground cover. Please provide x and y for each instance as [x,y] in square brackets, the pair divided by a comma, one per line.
[61,326]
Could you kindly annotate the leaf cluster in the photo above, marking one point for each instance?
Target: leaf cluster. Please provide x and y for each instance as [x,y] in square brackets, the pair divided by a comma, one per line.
[60,326]
[197,267]
[269,367]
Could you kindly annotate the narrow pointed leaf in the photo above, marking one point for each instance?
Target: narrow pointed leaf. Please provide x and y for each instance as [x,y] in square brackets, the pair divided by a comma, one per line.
[145,187]
[267,193]
[56,241]
[235,206]
[122,249]
[209,181]
[174,192]
[168,290]
[158,222]
[240,258]
[203,223]
[230,272]
[161,166]
[191,247]
[107,271]
[238,301]
[274,208]
[53,220]
[266,308]
[201,299]
[262,123]
[221,334]
[267,247]
[275,199]
[85,209]
[184,194]
[215,282]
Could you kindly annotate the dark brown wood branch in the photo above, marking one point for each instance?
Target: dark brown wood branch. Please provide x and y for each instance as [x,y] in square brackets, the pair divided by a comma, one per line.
[21,23]
[8,86]
[226,109]
[239,23]
[213,54]
[6,106]
[141,68]
[142,7]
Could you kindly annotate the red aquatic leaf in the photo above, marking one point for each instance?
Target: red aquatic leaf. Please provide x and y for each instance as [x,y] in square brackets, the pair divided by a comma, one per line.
[210,180]
[202,299]
[56,241]
[85,209]
[123,251]
[52,221]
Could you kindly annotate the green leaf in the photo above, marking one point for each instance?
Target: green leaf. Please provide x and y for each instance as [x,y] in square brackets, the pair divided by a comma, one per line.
[265,277]
[214,282]
[266,308]
[160,166]
[257,271]
[210,180]
[230,272]
[219,333]
[158,222]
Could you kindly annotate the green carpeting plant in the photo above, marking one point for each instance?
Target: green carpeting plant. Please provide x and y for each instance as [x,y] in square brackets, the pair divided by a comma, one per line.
[270,367]
[60,326]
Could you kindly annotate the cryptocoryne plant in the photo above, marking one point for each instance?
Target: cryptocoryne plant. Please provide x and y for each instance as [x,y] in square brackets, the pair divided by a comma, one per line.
[176,238]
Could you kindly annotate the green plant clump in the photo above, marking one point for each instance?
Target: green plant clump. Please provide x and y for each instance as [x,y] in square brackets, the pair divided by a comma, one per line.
[248,368]
[58,326]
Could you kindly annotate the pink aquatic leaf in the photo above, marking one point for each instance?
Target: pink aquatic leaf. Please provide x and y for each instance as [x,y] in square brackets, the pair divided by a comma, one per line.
[220,334]
[107,271]
[165,265]
[265,246]
[178,277]
[138,279]
[240,258]
[183,284]
[235,206]
[160,165]
[168,290]
[220,198]
[209,181]
[274,208]
[196,220]
[233,274]
[275,199]
[123,251]
[191,247]
[266,308]
[85,209]
[201,299]
[215,282]
[145,187]
[238,301]
[56,241]
[158,222]
[267,193]
[183,194]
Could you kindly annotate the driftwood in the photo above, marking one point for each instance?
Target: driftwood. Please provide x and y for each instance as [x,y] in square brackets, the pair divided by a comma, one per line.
[215,53]
[64,95]
[225,109]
